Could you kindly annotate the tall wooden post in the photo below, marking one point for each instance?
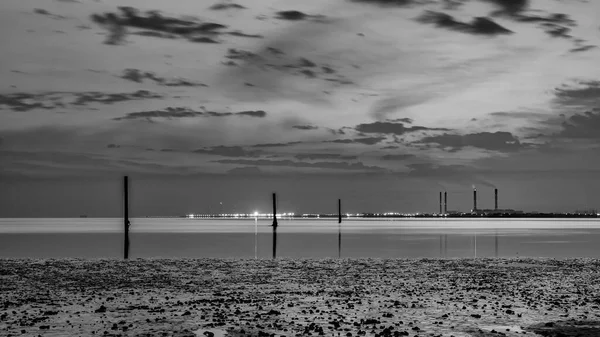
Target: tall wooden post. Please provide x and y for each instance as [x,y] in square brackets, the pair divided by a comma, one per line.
[274,225]
[339,228]
[126,216]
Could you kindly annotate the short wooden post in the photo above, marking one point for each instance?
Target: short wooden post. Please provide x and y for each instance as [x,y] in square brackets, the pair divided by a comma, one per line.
[126,216]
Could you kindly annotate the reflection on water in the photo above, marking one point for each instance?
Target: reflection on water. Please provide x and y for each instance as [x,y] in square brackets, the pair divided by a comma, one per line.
[95,238]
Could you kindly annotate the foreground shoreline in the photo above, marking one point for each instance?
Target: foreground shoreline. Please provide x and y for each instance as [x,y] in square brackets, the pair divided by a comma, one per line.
[300,297]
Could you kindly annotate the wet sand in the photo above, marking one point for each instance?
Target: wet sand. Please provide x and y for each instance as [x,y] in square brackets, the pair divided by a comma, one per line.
[363,297]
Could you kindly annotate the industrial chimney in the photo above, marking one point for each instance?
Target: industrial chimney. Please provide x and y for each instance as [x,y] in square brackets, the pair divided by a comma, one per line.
[440,202]
[495,198]
[445,202]
[474,199]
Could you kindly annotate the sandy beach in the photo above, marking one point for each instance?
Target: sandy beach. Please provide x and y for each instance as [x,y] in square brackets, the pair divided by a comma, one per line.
[366,297]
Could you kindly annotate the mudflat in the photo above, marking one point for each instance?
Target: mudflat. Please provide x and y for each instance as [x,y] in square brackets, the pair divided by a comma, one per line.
[295,297]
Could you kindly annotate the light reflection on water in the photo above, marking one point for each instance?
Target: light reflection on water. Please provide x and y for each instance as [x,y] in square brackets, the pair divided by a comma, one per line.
[384,238]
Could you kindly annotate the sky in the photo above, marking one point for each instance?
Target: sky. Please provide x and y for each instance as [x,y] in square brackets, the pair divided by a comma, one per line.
[211,106]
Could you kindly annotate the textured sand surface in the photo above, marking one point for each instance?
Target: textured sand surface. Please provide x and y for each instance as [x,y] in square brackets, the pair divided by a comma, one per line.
[370,297]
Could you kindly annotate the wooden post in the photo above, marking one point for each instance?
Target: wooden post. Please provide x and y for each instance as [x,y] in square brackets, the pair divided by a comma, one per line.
[126,216]
[274,225]
[339,210]
[339,228]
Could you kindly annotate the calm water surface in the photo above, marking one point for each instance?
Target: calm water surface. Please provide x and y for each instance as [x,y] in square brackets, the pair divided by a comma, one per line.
[102,237]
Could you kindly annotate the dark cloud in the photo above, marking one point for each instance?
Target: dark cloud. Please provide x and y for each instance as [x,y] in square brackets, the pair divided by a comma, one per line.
[305,127]
[277,144]
[399,3]
[138,76]
[496,141]
[252,113]
[584,94]
[582,126]
[53,100]
[317,156]
[247,170]
[479,25]
[397,156]
[163,26]
[390,147]
[275,59]
[242,34]
[582,48]
[336,132]
[365,140]
[45,12]
[293,15]
[392,128]
[289,163]
[182,112]
[225,6]
[99,97]
[511,6]
[229,151]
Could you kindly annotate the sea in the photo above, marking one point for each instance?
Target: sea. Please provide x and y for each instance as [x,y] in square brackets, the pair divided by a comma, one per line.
[93,238]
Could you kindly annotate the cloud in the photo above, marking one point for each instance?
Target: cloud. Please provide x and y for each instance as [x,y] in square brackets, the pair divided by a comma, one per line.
[399,3]
[316,156]
[401,120]
[51,100]
[289,163]
[366,140]
[136,75]
[45,12]
[582,126]
[511,6]
[397,156]
[276,144]
[182,112]
[247,170]
[305,127]
[229,151]
[392,128]
[582,48]
[583,94]
[479,25]
[156,24]
[498,141]
[250,113]
[225,6]
[293,15]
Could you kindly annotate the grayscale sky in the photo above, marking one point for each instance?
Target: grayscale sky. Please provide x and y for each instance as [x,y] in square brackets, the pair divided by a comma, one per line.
[382,103]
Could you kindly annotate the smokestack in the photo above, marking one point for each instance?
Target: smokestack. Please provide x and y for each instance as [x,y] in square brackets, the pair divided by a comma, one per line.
[495,198]
[440,202]
[445,202]
[474,199]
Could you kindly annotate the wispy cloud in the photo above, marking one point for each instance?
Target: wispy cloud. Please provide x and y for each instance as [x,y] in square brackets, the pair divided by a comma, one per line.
[298,164]
[182,112]
[495,141]
[229,151]
[51,100]
[392,128]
